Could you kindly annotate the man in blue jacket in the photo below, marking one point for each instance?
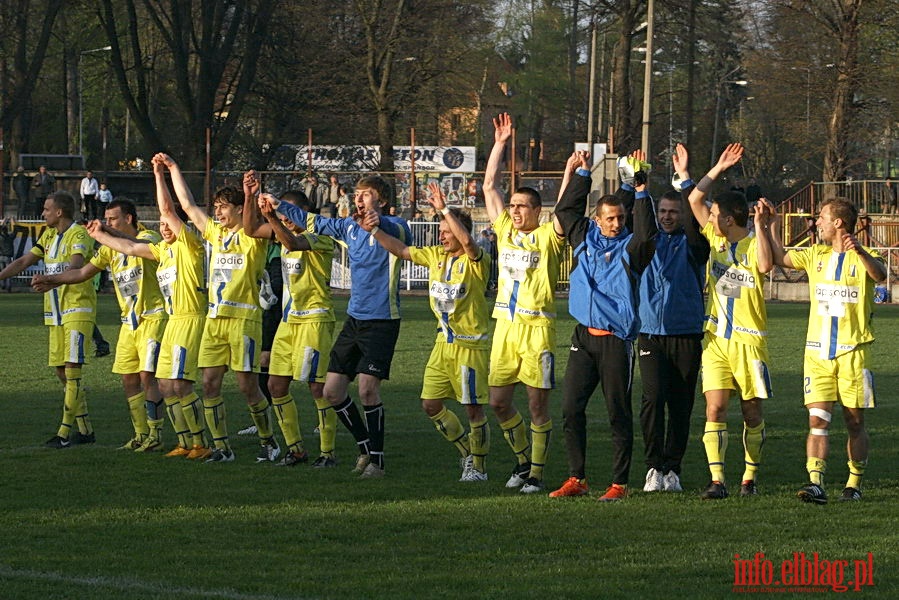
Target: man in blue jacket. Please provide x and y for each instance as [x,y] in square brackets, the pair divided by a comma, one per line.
[366,344]
[671,325]
[603,300]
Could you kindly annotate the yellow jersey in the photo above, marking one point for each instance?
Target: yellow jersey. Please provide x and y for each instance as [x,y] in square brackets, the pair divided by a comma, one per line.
[456,286]
[181,274]
[842,299]
[73,301]
[736,302]
[529,266]
[135,281]
[236,263]
[307,281]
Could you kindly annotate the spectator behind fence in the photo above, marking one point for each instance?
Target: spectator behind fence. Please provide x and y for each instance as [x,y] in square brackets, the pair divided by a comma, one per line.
[20,187]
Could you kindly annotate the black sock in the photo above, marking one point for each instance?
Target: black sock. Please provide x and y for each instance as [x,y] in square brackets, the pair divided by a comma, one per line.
[349,415]
[374,417]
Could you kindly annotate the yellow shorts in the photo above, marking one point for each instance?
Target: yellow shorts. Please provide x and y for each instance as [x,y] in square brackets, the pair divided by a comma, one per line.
[454,371]
[522,353]
[138,349]
[180,348]
[730,365]
[302,351]
[67,342]
[844,379]
[231,342]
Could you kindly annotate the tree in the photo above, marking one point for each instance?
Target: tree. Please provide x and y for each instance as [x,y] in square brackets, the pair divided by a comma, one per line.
[841,20]
[184,66]
[19,76]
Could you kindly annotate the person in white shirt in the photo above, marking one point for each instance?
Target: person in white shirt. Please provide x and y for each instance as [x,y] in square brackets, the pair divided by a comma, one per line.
[89,191]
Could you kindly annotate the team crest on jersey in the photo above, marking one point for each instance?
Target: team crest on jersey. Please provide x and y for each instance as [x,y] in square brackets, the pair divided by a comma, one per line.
[819,267]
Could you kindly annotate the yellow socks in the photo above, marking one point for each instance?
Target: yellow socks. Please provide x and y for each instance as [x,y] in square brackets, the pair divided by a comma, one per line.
[449,426]
[70,401]
[179,423]
[191,411]
[753,440]
[479,442]
[289,420]
[81,416]
[517,436]
[856,471]
[138,411]
[816,468]
[540,435]
[715,441]
[214,411]
[261,418]
[327,426]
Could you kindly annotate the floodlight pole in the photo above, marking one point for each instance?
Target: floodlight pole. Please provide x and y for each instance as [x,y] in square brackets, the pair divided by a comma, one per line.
[647,81]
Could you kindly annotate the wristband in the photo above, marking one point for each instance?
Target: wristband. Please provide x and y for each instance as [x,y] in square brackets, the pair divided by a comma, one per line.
[374,230]
[705,184]
[444,211]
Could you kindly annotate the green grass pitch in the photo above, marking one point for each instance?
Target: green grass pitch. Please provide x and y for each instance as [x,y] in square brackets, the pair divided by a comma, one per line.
[91,522]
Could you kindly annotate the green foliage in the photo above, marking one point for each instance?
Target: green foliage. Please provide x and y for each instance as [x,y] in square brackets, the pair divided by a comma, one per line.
[99,523]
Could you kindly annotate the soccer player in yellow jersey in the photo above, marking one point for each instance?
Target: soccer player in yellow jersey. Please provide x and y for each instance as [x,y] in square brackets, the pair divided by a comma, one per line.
[458,270]
[69,311]
[143,320]
[181,280]
[525,337]
[233,328]
[841,277]
[300,349]
[735,349]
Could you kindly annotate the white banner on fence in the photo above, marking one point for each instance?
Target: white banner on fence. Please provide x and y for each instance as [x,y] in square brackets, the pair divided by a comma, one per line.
[367,158]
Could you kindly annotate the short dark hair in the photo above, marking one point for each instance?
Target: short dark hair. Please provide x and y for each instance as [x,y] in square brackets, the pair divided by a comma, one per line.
[671,195]
[843,209]
[532,195]
[298,198]
[463,217]
[733,204]
[126,206]
[228,194]
[607,200]
[379,184]
[65,202]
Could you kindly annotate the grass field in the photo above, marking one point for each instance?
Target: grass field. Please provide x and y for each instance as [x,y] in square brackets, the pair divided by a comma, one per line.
[90,522]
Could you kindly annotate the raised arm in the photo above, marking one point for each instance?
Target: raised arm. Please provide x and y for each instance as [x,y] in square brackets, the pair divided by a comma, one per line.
[253,225]
[643,219]
[779,254]
[120,243]
[493,199]
[577,160]
[167,211]
[196,214]
[267,205]
[875,267]
[569,212]
[731,156]
[764,216]
[371,223]
[438,201]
